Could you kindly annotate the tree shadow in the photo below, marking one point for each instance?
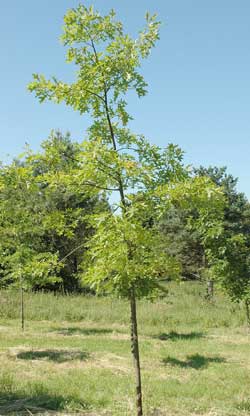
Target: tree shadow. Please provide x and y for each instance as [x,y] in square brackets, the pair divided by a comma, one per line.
[244,406]
[83,331]
[195,361]
[42,401]
[175,336]
[58,356]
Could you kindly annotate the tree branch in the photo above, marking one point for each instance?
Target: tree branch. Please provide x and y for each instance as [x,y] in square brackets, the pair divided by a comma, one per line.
[72,252]
[94,93]
[100,187]
[112,134]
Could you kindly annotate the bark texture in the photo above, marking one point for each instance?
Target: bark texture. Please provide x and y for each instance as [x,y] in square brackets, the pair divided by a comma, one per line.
[135,354]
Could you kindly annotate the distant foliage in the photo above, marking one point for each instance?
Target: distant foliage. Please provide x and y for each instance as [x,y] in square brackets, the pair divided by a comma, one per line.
[42,219]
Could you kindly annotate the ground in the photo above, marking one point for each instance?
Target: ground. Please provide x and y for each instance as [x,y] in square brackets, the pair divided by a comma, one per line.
[74,356]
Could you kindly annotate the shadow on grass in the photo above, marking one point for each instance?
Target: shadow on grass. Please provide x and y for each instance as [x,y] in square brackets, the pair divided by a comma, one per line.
[83,331]
[175,336]
[195,361]
[58,356]
[244,405]
[40,402]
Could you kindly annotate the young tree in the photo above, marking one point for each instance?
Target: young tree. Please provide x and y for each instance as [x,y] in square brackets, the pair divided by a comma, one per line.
[234,235]
[232,269]
[231,263]
[126,254]
[202,205]
[192,224]
[23,258]
[187,243]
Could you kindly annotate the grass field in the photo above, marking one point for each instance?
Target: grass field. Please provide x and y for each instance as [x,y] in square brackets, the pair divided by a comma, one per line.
[74,356]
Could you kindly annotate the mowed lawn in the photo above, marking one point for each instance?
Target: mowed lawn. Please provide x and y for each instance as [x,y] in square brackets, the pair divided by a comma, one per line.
[74,355]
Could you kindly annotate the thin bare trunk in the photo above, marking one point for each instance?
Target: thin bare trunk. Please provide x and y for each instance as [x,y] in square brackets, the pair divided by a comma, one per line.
[210,283]
[247,312]
[135,353]
[22,307]
[210,289]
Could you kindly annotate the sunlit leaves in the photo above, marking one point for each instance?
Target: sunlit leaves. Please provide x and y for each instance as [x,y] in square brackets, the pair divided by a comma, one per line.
[83,23]
[123,254]
[108,61]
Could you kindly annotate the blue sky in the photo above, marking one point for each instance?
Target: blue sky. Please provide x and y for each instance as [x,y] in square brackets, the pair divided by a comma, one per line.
[198,76]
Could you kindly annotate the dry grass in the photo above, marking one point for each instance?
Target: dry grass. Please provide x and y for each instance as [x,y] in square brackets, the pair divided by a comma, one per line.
[194,355]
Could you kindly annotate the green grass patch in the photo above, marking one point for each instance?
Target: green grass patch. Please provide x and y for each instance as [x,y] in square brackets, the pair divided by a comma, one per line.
[74,355]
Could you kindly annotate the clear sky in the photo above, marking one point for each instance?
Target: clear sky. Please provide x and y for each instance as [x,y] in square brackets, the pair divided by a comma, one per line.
[198,75]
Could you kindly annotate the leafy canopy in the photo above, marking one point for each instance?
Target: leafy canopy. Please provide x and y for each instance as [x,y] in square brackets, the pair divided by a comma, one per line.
[126,253]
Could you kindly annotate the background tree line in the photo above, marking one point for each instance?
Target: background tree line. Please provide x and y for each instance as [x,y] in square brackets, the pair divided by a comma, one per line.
[44,225]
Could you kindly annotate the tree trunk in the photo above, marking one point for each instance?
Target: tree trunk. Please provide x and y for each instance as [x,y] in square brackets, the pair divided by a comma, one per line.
[210,289]
[134,334]
[22,307]
[135,353]
[247,312]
